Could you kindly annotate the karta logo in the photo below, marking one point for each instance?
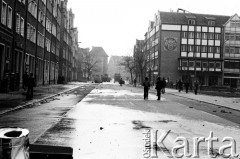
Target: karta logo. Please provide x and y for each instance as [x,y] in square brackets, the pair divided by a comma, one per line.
[159,140]
[170,44]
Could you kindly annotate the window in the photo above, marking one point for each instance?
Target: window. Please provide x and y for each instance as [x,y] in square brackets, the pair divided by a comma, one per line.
[203,48]
[198,48]
[227,36]
[227,49]
[232,50]
[198,35]
[191,21]
[211,65]
[198,63]
[190,48]
[231,37]
[237,50]
[218,65]
[205,64]
[210,36]
[210,49]
[184,34]
[18,23]
[191,63]
[190,35]
[184,48]
[4,13]
[9,18]
[28,30]
[184,63]
[238,37]
[22,26]
[211,22]
[235,24]
[217,36]
[204,35]
[217,50]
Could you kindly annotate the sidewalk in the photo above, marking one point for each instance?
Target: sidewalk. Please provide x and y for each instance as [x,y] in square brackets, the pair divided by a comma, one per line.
[228,102]
[233,103]
[12,100]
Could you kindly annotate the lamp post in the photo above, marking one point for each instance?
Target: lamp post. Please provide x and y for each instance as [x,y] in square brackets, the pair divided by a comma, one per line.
[194,52]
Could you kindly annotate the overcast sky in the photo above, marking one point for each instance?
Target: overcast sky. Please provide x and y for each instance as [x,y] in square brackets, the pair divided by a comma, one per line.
[116,24]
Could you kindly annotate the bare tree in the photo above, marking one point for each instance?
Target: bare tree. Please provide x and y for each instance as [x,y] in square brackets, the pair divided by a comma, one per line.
[141,64]
[128,63]
[90,63]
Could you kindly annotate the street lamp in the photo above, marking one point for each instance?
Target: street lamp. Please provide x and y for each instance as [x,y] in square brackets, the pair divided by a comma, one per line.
[195,71]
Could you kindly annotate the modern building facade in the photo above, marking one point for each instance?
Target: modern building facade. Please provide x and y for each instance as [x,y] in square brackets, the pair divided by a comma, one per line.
[189,46]
[231,52]
[37,36]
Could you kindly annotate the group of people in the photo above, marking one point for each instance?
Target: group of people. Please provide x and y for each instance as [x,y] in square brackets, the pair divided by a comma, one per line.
[160,87]
[187,84]
[28,84]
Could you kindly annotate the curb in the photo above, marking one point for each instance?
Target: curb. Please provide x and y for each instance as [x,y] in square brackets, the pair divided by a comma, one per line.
[204,102]
[37,101]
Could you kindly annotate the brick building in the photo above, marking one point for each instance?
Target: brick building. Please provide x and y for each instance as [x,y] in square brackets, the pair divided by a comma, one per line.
[37,36]
[182,45]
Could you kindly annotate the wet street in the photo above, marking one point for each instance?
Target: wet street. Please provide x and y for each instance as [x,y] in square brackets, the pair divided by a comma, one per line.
[109,122]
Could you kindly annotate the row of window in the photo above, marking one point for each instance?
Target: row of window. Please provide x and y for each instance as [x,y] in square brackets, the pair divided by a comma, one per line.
[6,15]
[232,50]
[200,55]
[193,22]
[232,64]
[229,36]
[199,35]
[200,64]
[193,48]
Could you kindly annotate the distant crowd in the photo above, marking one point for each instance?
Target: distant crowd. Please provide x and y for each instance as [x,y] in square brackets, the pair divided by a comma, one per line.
[161,83]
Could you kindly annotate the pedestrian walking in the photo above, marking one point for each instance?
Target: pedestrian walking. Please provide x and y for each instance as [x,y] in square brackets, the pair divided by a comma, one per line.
[164,84]
[25,80]
[30,85]
[120,81]
[176,85]
[180,85]
[186,85]
[135,82]
[196,85]
[146,85]
[159,86]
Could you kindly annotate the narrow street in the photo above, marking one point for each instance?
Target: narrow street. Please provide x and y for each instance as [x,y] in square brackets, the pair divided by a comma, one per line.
[110,121]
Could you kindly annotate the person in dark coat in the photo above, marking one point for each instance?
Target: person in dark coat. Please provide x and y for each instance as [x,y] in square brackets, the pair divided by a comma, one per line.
[186,86]
[159,86]
[135,82]
[25,80]
[121,82]
[196,85]
[180,85]
[164,84]
[30,84]
[146,85]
